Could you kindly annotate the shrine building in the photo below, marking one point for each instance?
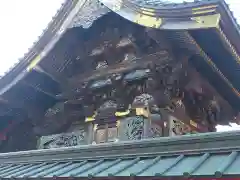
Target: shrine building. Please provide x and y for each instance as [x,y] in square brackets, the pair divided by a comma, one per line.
[127,88]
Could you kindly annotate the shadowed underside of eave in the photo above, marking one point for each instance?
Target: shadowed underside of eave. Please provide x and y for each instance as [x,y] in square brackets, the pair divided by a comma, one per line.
[212,45]
[50,35]
[67,13]
[202,20]
[186,16]
[169,17]
[141,12]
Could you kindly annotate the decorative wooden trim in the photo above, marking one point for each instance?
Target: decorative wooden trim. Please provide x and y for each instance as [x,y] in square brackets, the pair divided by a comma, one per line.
[214,67]
[36,54]
[228,45]
[158,16]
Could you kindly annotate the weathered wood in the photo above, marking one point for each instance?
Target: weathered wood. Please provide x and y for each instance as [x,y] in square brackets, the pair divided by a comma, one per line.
[101,66]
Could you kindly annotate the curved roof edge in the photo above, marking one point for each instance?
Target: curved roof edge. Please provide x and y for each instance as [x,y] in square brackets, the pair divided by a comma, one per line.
[42,46]
[144,14]
[189,15]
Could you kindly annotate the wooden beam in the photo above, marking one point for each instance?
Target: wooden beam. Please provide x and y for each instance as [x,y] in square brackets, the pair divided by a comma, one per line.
[62,81]
[38,89]
[155,58]
[40,70]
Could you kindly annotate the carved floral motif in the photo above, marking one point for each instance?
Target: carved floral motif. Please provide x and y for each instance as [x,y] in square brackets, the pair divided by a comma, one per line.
[135,128]
[62,140]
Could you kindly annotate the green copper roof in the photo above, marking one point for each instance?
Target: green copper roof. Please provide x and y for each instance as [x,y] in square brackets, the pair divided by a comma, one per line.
[210,154]
[190,165]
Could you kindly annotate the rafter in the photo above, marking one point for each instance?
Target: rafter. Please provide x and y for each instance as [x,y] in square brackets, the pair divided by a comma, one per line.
[40,70]
[62,81]
[38,89]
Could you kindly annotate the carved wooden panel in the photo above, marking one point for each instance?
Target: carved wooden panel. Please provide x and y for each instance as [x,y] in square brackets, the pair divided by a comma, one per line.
[155,131]
[143,99]
[102,64]
[62,140]
[177,127]
[131,128]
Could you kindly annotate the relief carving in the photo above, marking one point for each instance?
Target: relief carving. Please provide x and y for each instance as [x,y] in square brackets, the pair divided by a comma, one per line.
[155,131]
[178,128]
[102,64]
[135,128]
[143,99]
[62,140]
[141,79]
[90,12]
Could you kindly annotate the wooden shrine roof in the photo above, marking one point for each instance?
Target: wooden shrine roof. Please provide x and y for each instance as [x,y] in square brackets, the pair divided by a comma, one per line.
[70,9]
[62,33]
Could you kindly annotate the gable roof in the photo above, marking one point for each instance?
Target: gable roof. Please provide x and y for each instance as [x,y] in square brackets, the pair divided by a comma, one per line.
[49,37]
[62,21]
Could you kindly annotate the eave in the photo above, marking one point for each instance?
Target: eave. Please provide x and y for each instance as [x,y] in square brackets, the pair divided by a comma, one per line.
[43,46]
[229,25]
[196,16]
[46,42]
[129,10]
[213,155]
[136,13]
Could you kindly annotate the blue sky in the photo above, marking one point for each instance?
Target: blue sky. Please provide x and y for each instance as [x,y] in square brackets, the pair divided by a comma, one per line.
[22,21]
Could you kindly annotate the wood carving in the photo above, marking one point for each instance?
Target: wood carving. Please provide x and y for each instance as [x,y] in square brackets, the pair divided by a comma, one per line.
[62,140]
[134,130]
[125,66]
